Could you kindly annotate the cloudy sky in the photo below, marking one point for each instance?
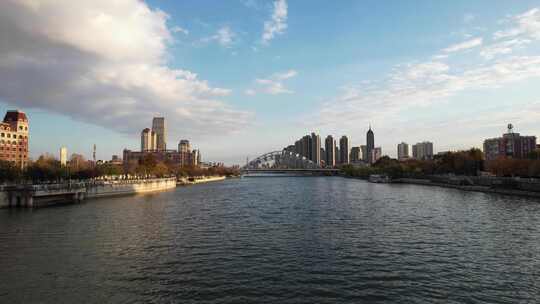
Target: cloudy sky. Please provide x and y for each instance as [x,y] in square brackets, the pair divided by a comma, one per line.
[243,77]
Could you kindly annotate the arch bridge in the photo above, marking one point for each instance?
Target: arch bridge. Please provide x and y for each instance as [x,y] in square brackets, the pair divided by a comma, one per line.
[284,162]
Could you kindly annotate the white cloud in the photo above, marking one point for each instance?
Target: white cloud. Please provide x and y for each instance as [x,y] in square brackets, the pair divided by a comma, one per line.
[278,22]
[224,36]
[178,29]
[104,62]
[527,24]
[250,92]
[503,47]
[274,85]
[464,45]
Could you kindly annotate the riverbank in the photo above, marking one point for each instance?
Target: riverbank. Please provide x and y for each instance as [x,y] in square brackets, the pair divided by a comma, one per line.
[185,181]
[41,195]
[474,188]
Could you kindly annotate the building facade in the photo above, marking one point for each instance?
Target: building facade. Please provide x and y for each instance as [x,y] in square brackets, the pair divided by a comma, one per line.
[370,145]
[356,155]
[510,145]
[316,148]
[423,150]
[148,140]
[158,126]
[376,154]
[403,151]
[14,138]
[344,150]
[330,149]
[63,156]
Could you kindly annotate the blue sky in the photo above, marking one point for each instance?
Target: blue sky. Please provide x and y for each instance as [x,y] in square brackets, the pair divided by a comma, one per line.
[240,78]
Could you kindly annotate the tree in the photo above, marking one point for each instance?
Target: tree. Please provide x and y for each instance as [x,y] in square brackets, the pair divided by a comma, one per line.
[9,172]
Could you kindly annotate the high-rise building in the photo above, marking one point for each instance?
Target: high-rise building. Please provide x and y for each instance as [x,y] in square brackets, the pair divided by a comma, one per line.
[14,138]
[158,126]
[511,145]
[148,140]
[365,157]
[344,150]
[184,146]
[356,155]
[63,156]
[423,150]
[370,145]
[403,151]
[376,154]
[306,147]
[338,155]
[316,149]
[330,148]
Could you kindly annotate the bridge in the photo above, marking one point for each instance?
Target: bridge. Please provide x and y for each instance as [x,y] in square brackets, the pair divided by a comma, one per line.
[285,162]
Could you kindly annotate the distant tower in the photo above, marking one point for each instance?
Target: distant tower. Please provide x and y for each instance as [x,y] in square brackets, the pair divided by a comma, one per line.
[344,150]
[370,145]
[330,149]
[94,154]
[63,156]
[158,126]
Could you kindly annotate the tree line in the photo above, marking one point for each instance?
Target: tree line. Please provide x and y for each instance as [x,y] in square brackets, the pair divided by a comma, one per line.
[48,169]
[469,162]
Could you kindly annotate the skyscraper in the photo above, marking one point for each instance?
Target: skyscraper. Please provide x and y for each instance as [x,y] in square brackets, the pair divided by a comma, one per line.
[344,150]
[63,156]
[365,157]
[356,155]
[330,148]
[403,151]
[184,146]
[316,149]
[158,126]
[148,140]
[370,145]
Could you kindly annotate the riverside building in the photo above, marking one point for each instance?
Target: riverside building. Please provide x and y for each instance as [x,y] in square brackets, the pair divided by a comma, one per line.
[14,138]
[423,150]
[403,151]
[153,143]
[330,148]
[511,145]
[344,150]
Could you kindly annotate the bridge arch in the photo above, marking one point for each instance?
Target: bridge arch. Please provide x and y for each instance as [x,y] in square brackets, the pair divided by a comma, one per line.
[281,160]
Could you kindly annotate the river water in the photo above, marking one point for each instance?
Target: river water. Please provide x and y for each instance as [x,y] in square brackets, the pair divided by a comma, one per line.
[276,240]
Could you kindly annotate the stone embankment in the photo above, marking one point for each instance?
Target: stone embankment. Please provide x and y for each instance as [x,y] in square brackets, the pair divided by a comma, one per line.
[184,181]
[49,194]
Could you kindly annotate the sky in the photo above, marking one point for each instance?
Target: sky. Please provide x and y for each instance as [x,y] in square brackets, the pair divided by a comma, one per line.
[240,78]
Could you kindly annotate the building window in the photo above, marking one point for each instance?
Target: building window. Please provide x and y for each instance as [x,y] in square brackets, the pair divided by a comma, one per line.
[9,135]
[3,134]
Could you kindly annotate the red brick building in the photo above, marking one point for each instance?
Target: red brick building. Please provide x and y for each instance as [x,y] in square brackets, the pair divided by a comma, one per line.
[14,138]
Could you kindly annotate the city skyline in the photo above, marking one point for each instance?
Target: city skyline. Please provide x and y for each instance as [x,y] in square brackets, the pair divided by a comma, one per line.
[241,83]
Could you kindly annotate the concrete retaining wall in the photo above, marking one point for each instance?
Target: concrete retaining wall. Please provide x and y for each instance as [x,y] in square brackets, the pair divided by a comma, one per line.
[49,194]
[113,188]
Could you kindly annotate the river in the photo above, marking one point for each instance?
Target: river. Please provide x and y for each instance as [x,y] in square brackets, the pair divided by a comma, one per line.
[276,240]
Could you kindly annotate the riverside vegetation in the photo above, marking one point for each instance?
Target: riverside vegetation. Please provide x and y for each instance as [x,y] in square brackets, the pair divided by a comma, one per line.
[467,163]
[48,169]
